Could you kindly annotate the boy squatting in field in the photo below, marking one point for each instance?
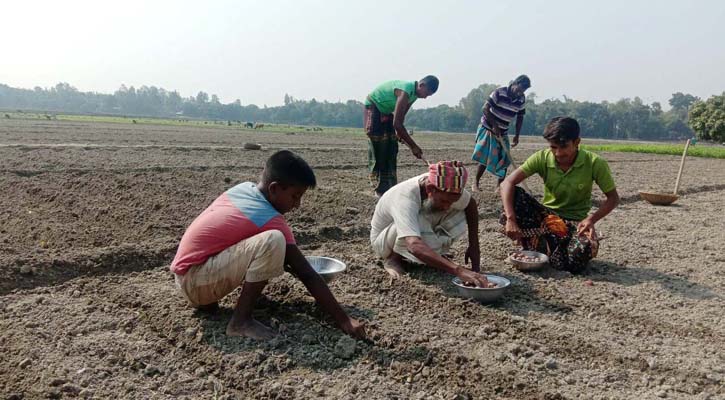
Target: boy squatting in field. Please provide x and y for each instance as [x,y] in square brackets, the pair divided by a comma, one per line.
[419,219]
[243,239]
[568,172]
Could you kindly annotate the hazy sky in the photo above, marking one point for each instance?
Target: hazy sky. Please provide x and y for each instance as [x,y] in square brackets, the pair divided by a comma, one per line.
[337,50]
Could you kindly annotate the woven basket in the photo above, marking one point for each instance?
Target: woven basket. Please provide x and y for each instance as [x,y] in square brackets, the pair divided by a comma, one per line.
[659,199]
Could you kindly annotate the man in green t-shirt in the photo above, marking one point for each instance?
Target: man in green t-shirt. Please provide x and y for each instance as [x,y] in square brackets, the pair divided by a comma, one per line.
[385,110]
[561,225]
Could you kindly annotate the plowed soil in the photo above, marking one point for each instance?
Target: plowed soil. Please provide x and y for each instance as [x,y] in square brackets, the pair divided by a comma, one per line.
[91,215]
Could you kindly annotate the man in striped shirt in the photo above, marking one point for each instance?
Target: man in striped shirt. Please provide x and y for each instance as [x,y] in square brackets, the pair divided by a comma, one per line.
[492,143]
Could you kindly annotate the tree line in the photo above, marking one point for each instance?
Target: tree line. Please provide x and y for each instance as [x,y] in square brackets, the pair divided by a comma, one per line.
[623,119]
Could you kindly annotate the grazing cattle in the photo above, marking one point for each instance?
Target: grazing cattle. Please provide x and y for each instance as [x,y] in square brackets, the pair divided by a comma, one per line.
[133,120]
[258,126]
[249,125]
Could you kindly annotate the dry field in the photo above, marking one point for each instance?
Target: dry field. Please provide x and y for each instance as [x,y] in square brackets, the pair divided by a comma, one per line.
[91,214]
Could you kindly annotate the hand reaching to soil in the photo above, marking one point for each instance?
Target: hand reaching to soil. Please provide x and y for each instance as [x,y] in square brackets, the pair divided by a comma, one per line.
[354,328]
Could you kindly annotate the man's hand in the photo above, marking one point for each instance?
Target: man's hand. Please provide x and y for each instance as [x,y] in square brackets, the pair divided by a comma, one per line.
[512,229]
[473,254]
[585,226]
[496,130]
[470,277]
[515,141]
[417,152]
[354,328]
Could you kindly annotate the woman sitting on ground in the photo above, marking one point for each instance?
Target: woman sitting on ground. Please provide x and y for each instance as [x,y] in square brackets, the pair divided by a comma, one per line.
[560,226]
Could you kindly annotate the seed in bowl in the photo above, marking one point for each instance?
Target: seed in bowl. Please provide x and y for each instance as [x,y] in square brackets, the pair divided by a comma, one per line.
[490,285]
[523,257]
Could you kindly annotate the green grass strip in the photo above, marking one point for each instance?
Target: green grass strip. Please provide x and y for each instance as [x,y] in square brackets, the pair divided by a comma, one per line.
[670,149]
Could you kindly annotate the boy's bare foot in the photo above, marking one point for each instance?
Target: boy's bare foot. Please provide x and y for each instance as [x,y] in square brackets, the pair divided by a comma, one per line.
[475,188]
[212,308]
[394,265]
[250,328]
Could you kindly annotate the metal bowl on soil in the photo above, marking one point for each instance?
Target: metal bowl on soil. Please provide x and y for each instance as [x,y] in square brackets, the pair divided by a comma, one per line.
[328,268]
[484,295]
[522,265]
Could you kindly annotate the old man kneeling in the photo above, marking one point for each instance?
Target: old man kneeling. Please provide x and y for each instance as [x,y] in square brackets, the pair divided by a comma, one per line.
[418,220]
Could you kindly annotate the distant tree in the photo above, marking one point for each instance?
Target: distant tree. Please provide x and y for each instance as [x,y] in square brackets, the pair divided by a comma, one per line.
[202,98]
[682,101]
[707,118]
[624,119]
[472,105]
[680,104]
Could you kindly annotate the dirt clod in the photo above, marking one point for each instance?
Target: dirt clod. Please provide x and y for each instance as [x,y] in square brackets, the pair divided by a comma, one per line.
[345,347]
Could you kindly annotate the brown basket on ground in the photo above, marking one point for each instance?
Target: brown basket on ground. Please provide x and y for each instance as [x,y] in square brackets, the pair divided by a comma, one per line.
[664,199]
[658,199]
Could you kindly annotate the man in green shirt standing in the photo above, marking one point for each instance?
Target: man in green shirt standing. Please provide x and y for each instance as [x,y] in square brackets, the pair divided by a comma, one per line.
[385,110]
[560,226]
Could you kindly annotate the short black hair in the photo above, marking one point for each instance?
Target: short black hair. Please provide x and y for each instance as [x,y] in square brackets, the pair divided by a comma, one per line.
[522,80]
[431,82]
[561,130]
[287,168]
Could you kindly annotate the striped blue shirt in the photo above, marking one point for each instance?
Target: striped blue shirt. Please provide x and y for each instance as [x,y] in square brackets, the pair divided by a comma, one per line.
[504,108]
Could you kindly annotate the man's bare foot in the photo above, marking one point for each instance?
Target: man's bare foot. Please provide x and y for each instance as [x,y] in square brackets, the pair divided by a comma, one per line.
[394,265]
[250,328]
[475,188]
[212,308]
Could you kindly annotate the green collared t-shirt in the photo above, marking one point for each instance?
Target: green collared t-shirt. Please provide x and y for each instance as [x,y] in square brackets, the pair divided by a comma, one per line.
[570,193]
[384,95]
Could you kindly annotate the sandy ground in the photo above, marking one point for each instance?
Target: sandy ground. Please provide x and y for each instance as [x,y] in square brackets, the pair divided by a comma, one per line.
[92,213]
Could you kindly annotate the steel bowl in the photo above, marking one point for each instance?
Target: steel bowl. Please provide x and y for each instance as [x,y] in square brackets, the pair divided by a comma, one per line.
[529,266]
[484,295]
[328,268]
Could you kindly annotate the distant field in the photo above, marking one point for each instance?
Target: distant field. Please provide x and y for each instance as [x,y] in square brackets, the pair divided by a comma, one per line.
[181,121]
[695,151]
[621,147]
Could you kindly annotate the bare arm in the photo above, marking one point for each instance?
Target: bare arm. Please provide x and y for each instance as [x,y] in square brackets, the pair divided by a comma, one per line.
[402,105]
[507,197]
[519,122]
[609,204]
[473,253]
[318,289]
